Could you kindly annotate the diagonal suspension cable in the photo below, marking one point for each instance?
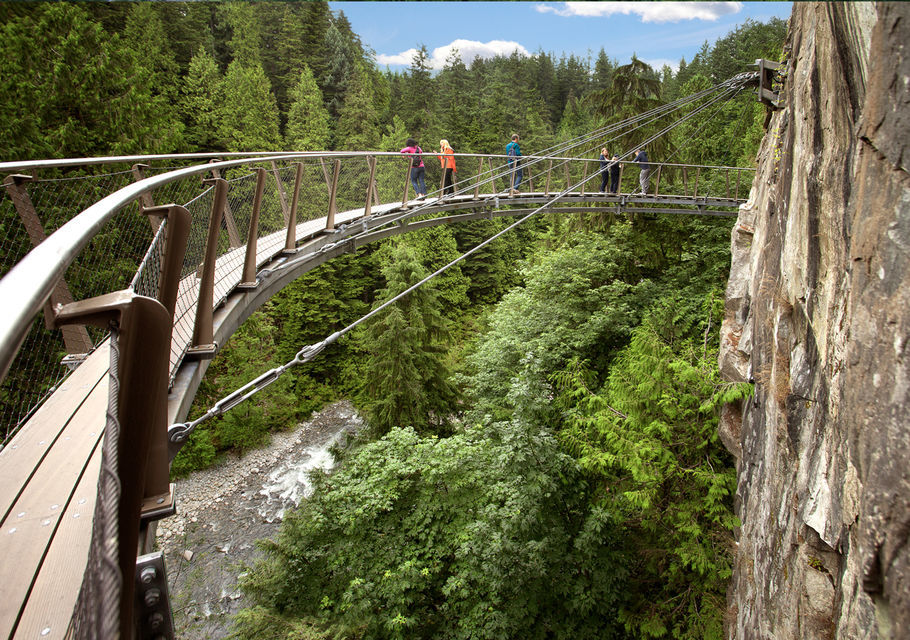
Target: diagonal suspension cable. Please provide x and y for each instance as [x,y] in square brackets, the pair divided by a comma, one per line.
[179,432]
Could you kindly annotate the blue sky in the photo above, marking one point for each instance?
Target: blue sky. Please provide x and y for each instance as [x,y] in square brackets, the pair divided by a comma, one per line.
[657,32]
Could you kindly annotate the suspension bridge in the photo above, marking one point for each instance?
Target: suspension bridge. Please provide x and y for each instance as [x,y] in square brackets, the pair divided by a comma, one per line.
[124,275]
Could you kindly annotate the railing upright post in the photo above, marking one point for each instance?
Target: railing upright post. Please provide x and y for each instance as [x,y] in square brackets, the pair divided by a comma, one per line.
[290,240]
[282,196]
[568,175]
[203,345]
[657,181]
[248,280]
[233,233]
[530,178]
[330,218]
[697,174]
[178,232]
[75,338]
[584,179]
[479,173]
[367,207]
[685,181]
[145,200]
[736,194]
[141,464]
[549,170]
[727,180]
[407,183]
[621,167]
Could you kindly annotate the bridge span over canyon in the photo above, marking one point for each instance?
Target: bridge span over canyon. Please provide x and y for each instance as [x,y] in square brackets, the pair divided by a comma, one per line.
[152,263]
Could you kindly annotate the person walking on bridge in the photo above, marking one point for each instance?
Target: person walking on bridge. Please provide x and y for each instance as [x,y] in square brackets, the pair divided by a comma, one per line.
[614,174]
[447,160]
[604,169]
[644,178]
[513,151]
[418,170]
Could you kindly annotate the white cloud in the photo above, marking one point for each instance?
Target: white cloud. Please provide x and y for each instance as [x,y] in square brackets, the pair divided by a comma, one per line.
[648,11]
[658,63]
[468,50]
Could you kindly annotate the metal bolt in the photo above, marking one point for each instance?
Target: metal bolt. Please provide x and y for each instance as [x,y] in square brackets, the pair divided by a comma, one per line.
[152,597]
[155,621]
[148,575]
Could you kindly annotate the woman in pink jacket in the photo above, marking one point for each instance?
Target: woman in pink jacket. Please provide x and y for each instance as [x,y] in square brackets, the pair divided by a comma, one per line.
[418,170]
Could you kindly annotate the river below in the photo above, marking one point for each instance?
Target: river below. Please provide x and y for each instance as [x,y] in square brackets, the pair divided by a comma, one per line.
[222,511]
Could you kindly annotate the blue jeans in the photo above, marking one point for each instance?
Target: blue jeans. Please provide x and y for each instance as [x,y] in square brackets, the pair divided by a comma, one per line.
[418,175]
[517,174]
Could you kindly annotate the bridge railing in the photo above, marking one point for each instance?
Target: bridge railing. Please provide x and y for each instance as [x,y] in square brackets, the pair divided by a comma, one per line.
[41,197]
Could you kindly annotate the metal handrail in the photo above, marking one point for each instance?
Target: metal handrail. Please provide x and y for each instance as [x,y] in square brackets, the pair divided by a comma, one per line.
[26,287]
[30,282]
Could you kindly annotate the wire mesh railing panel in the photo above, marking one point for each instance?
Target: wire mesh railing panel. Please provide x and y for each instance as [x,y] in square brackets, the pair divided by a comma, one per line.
[108,263]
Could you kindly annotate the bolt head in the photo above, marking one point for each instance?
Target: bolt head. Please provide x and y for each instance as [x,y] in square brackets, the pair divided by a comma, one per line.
[152,597]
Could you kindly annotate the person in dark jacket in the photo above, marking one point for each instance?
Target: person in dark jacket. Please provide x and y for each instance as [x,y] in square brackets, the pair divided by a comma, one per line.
[644,178]
[604,169]
[614,174]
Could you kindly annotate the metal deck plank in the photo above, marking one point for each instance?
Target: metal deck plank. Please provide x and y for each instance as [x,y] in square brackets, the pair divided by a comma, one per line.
[35,519]
[60,577]
[27,449]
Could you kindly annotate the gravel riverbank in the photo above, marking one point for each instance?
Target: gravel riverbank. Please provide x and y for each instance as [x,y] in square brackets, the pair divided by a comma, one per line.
[222,511]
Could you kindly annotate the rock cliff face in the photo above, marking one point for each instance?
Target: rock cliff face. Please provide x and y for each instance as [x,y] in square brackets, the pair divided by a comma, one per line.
[818,316]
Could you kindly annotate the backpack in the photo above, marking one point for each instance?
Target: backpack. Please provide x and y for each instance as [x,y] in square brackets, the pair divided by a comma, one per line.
[415,158]
[510,150]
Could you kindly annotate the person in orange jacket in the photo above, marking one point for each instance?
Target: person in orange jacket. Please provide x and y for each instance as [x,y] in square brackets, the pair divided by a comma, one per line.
[447,160]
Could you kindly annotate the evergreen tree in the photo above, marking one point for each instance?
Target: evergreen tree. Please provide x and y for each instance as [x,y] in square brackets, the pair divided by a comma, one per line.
[249,118]
[358,122]
[201,100]
[246,31]
[308,121]
[407,381]
[337,71]
[418,94]
[68,89]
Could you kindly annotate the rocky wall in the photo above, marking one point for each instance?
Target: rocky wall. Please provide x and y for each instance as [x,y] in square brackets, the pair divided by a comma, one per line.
[818,317]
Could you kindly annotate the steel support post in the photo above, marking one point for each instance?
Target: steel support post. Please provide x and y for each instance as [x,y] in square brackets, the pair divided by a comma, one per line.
[584,178]
[75,338]
[248,280]
[282,195]
[290,240]
[657,182]
[178,232]
[549,169]
[145,200]
[407,182]
[697,175]
[333,192]
[145,336]
[621,167]
[368,205]
[479,180]
[203,344]
[568,175]
[229,223]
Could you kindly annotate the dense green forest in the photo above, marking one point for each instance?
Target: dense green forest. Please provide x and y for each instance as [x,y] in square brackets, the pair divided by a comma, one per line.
[541,457]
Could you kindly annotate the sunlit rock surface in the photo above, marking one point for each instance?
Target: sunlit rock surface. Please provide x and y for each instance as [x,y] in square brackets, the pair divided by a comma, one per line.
[818,315]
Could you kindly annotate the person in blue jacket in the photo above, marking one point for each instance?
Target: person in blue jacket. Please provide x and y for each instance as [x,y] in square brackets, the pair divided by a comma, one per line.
[644,178]
[513,150]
